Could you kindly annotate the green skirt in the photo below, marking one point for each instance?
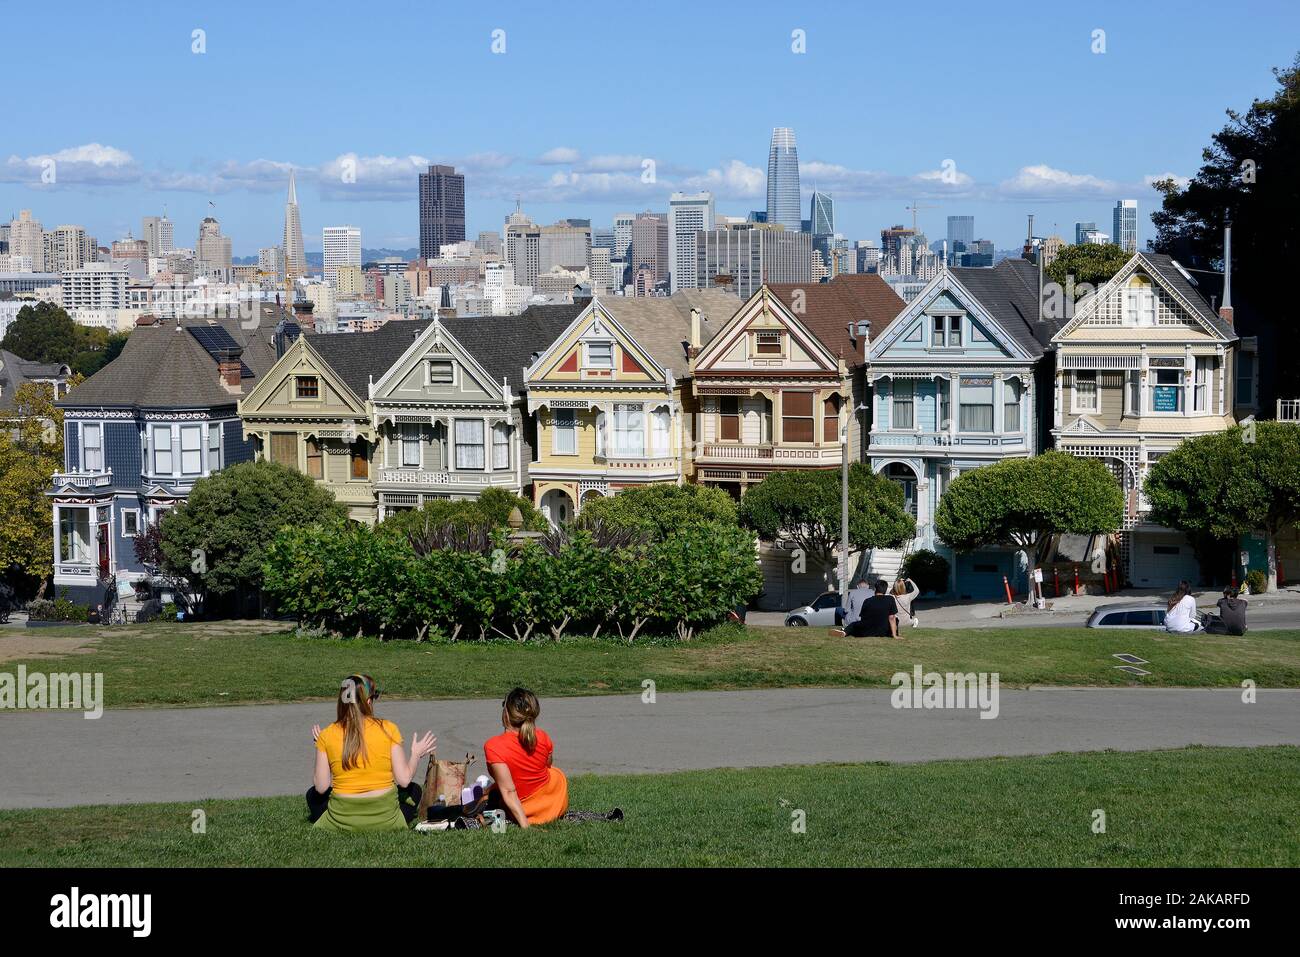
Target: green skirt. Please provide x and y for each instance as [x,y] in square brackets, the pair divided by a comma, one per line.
[378,813]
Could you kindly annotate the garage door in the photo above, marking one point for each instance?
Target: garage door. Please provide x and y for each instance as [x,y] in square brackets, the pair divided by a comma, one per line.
[783,587]
[979,575]
[1162,560]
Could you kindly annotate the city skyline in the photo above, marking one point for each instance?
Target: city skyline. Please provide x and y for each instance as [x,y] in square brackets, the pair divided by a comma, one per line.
[966,156]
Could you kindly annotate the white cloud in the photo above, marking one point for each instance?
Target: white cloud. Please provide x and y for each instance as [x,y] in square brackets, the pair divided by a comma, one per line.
[1044,182]
[1180,181]
[612,162]
[733,180]
[560,156]
[88,164]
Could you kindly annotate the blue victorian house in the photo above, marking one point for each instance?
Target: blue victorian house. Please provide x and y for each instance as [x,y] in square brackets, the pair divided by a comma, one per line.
[141,431]
[957,382]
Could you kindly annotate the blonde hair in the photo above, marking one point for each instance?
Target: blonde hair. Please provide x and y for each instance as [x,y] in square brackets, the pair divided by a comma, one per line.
[900,587]
[356,706]
[522,708]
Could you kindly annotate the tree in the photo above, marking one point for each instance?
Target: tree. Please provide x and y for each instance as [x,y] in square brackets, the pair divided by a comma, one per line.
[44,332]
[217,539]
[31,451]
[661,510]
[491,510]
[1088,263]
[1247,178]
[804,506]
[1023,501]
[1229,483]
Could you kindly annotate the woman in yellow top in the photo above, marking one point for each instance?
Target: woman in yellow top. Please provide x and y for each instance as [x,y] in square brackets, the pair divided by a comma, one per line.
[363,780]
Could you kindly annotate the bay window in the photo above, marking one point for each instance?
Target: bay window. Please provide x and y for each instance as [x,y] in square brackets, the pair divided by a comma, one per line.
[904,407]
[410,442]
[660,431]
[469,444]
[315,461]
[629,429]
[1201,389]
[1011,405]
[565,432]
[797,423]
[1085,390]
[729,419]
[1167,392]
[214,447]
[359,461]
[74,535]
[831,419]
[501,446]
[191,449]
[975,412]
[161,440]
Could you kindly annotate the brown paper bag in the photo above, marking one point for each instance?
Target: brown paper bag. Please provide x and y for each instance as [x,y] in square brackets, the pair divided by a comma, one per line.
[445,778]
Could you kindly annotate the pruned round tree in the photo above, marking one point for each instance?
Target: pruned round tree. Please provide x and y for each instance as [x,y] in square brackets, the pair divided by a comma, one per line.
[803,506]
[1230,483]
[1021,502]
[662,510]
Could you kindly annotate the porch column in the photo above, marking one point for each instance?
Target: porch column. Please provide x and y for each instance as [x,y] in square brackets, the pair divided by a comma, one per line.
[999,400]
[487,446]
[1057,396]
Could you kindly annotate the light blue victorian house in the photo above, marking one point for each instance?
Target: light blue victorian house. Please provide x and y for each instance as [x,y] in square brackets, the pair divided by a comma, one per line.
[957,383]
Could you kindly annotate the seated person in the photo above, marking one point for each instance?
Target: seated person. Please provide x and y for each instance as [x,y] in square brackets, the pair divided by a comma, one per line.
[878,616]
[520,760]
[905,591]
[1232,614]
[363,780]
[1180,613]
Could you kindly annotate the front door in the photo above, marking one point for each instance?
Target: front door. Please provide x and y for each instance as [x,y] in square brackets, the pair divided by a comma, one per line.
[102,538]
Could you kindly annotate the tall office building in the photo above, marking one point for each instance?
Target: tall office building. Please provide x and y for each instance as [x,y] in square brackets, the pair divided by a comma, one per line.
[158,233]
[1084,232]
[341,246]
[741,257]
[295,255]
[1125,225]
[623,235]
[523,247]
[489,243]
[821,223]
[961,233]
[26,239]
[442,209]
[270,264]
[893,239]
[688,214]
[67,248]
[783,180]
[212,249]
[566,244]
[650,245]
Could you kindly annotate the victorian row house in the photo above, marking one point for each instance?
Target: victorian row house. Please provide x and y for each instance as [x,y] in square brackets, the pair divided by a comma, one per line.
[140,432]
[1142,365]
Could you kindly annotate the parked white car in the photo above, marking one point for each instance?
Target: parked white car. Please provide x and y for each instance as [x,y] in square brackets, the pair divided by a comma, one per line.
[823,610]
[1146,614]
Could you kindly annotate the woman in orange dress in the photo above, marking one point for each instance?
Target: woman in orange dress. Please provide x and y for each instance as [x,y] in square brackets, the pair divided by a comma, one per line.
[520,760]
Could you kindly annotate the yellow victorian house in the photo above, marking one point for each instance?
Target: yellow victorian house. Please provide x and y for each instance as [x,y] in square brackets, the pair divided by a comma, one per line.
[608,397]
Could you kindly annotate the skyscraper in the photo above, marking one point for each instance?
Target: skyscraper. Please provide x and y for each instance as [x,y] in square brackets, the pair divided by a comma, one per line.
[212,251]
[740,258]
[650,245]
[442,209]
[961,229]
[158,233]
[295,257]
[821,223]
[688,214]
[1125,225]
[523,247]
[783,180]
[341,246]
[622,235]
[27,238]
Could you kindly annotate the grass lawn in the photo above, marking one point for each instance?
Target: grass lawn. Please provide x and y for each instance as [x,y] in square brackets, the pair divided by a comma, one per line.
[1197,807]
[207,664]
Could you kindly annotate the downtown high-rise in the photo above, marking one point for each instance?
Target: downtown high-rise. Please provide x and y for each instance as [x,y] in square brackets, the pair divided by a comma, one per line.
[783,180]
[442,209]
[688,214]
[341,246]
[295,256]
[1124,230]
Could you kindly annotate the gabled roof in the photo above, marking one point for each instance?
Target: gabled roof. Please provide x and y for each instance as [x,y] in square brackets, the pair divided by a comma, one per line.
[16,371]
[661,325]
[1168,274]
[848,299]
[1009,292]
[359,357]
[164,366]
[504,345]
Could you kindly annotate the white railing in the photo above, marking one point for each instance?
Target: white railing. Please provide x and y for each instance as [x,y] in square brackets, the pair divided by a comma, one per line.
[85,479]
[746,452]
[443,477]
[1288,410]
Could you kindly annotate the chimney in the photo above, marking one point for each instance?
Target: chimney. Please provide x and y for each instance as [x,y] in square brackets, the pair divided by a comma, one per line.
[228,366]
[1225,310]
[303,313]
[694,349]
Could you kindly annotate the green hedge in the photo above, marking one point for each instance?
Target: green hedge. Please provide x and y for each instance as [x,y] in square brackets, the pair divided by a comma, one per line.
[471,584]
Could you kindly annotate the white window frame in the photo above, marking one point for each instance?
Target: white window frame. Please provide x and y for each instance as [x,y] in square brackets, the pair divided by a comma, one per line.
[216,434]
[98,429]
[459,444]
[1075,405]
[410,432]
[197,431]
[626,413]
[589,363]
[893,406]
[1202,375]
[661,431]
[1238,378]
[155,449]
[501,440]
[134,514]
[570,428]
[1013,386]
[1180,385]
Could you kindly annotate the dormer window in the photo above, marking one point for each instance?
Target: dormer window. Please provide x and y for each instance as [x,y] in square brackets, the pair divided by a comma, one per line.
[306,387]
[767,343]
[1139,302]
[600,355]
[441,371]
[946,332]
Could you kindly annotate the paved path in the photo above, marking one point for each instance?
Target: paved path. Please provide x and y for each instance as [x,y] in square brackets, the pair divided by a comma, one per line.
[51,759]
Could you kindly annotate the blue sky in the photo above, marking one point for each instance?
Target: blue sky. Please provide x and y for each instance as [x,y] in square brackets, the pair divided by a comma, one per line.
[1031,119]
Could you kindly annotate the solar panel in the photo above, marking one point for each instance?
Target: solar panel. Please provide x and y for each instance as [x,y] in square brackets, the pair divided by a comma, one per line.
[217,342]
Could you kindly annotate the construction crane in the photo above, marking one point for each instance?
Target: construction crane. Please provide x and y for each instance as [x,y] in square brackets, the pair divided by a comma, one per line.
[915,207]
